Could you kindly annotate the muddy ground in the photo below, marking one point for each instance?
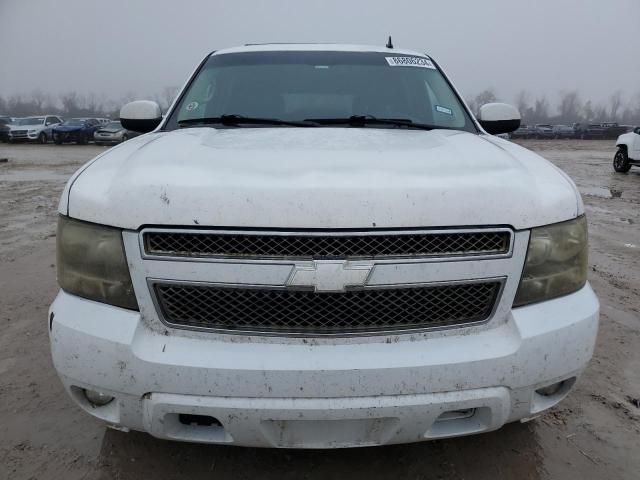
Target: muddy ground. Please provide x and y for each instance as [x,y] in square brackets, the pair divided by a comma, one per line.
[594,434]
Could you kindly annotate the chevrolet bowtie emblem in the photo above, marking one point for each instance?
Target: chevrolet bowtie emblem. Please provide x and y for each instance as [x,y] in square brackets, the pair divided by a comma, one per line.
[330,276]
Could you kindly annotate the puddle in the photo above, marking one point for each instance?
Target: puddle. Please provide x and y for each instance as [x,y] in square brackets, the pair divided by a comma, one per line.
[600,192]
[33,175]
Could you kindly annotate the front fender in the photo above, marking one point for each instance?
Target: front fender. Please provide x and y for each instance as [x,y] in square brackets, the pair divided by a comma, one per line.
[626,140]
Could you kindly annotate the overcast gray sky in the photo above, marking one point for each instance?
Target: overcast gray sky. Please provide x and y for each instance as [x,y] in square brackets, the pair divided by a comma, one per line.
[112,47]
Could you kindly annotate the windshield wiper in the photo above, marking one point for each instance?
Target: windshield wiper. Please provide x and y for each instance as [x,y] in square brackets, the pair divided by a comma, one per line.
[233,120]
[364,120]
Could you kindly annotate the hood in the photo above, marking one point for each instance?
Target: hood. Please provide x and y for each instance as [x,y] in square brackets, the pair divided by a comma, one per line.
[26,127]
[320,178]
[68,128]
[110,130]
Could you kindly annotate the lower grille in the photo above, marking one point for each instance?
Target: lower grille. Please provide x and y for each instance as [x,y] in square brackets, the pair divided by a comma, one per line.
[281,311]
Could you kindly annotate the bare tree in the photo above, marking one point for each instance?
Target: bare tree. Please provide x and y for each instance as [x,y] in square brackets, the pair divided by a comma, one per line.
[600,113]
[569,108]
[616,103]
[522,101]
[40,99]
[91,104]
[484,97]
[587,111]
[69,103]
[541,110]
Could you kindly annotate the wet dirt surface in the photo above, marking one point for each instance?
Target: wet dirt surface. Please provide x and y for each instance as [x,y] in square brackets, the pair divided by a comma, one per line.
[593,434]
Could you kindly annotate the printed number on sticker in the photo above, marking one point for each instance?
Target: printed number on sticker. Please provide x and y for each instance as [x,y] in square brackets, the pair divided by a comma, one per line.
[410,62]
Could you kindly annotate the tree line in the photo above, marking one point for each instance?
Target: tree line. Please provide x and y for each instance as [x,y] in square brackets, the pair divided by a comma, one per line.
[569,108]
[72,104]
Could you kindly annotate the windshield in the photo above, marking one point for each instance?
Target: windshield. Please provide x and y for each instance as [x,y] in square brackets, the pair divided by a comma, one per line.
[75,122]
[29,121]
[301,85]
[113,126]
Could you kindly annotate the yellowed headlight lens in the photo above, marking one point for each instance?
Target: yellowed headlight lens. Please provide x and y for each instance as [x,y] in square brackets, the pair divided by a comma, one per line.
[556,262]
[92,263]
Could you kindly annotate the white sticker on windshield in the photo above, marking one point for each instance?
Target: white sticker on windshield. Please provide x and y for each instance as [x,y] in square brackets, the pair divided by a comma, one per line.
[410,62]
[192,106]
[444,110]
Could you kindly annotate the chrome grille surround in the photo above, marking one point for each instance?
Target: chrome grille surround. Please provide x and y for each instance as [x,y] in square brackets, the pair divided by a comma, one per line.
[378,244]
[303,312]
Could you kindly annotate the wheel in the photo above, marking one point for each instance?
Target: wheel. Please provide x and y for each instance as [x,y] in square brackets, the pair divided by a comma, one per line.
[42,138]
[82,139]
[621,161]
[57,140]
[125,137]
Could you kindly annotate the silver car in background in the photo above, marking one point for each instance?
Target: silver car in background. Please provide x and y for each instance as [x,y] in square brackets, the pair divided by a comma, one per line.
[113,133]
[36,128]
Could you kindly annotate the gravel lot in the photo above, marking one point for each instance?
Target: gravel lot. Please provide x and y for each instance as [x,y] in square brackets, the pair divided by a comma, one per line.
[594,434]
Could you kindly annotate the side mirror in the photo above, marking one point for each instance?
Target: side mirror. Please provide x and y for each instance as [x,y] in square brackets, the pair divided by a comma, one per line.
[498,118]
[141,116]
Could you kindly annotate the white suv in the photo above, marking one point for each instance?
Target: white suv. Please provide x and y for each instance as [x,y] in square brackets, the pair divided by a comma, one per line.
[33,128]
[320,246]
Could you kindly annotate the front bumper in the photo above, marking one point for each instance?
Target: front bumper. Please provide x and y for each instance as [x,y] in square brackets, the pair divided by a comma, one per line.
[271,392]
[72,136]
[107,138]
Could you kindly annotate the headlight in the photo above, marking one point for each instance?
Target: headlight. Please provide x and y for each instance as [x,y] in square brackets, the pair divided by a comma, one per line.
[556,262]
[32,132]
[92,263]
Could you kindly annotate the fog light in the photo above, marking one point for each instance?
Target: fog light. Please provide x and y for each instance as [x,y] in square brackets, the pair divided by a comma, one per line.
[97,399]
[551,389]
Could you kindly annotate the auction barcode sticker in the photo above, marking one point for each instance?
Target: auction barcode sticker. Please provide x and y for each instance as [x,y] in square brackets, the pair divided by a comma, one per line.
[420,62]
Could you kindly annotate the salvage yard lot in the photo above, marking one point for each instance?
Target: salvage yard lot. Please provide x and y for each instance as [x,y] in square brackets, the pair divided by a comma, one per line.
[591,435]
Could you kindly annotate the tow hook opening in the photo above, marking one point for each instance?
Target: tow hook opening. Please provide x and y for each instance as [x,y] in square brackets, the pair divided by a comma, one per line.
[195,427]
[549,395]
[557,388]
[198,420]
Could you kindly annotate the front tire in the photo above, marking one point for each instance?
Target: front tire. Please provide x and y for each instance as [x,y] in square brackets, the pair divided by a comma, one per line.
[125,137]
[621,161]
[42,138]
[57,140]
[82,139]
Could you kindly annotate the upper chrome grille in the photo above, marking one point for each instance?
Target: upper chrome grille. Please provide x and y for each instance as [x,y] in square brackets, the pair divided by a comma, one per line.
[282,311]
[325,245]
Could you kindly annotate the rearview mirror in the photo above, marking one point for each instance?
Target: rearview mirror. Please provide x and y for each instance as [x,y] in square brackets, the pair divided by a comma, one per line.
[141,116]
[498,118]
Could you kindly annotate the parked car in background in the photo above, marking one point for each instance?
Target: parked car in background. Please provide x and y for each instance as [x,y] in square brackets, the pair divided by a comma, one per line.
[112,133]
[104,121]
[628,153]
[5,126]
[563,131]
[79,130]
[38,128]
[542,130]
[590,131]
[525,131]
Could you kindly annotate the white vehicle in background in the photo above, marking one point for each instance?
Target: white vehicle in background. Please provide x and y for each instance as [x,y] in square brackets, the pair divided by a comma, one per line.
[319,246]
[628,153]
[37,128]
